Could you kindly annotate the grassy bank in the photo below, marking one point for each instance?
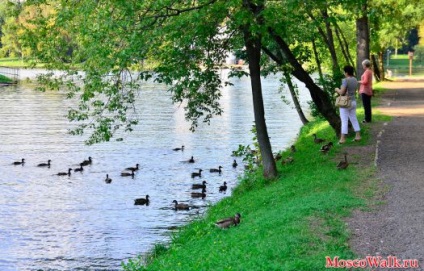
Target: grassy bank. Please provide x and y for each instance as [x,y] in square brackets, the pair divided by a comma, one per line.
[291,223]
[13,62]
[5,80]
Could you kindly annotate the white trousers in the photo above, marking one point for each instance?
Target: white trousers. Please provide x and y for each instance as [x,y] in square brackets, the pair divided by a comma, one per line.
[347,114]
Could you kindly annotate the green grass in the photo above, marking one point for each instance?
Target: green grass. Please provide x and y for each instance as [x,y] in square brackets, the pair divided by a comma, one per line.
[12,62]
[400,66]
[4,79]
[291,223]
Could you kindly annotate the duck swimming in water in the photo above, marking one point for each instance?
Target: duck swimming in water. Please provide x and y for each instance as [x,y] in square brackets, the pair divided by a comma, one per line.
[216,169]
[223,188]
[133,168]
[199,185]
[179,149]
[181,206]
[199,194]
[108,180]
[126,174]
[44,164]
[197,174]
[142,201]
[80,169]
[87,162]
[22,162]
[65,173]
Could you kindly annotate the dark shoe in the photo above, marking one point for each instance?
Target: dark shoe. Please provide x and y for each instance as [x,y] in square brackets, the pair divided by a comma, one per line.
[364,121]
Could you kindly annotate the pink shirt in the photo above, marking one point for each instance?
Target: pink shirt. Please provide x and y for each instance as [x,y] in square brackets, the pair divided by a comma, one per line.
[366,83]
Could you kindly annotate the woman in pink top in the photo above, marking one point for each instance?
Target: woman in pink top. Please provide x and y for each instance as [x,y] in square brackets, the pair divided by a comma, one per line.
[365,89]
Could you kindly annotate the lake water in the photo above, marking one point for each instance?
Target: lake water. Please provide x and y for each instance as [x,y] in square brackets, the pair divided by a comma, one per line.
[79,222]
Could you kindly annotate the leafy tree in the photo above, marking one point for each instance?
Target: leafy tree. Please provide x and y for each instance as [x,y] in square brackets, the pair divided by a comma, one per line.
[9,11]
[115,45]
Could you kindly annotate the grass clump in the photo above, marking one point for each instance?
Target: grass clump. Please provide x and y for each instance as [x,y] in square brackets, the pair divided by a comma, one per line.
[290,223]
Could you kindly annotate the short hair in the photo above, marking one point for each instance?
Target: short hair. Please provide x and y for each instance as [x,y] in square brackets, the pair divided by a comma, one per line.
[349,70]
[366,63]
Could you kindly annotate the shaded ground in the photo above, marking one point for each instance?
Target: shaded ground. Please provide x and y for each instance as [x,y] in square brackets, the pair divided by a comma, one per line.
[395,228]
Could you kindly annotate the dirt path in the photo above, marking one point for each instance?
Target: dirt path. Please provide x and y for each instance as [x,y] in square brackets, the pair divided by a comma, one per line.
[396,228]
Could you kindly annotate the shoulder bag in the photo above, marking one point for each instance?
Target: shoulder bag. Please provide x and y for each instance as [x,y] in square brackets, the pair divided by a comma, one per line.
[343,101]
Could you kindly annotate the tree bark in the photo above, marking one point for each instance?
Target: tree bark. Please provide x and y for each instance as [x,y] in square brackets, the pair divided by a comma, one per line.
[319,97]
[295,98]
[280,61]
[362,39]
[343,44]
[253,48]
[376,68]
[330,39]
[317,60]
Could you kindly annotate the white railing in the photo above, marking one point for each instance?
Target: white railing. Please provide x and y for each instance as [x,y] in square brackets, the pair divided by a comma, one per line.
[12,73]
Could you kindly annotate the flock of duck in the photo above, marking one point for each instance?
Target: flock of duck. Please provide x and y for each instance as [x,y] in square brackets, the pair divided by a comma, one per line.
[130,172]
[223,223]
[324,149]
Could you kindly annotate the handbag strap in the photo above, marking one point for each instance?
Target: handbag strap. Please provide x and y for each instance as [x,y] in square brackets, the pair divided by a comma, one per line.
[347,88]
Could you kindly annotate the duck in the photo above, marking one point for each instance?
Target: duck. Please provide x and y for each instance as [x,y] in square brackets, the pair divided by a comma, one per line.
[87,162]
[288,160]
[199,185]
[179,149]
[228,222]
[133,168]
[142,201]
[293,148]
[22,162]
[235,164]
[196,174]
[126,174]
[318,140]
[223,187]
[44,164]
[181,206]
[326,148]
[199,194]
[108,180]
[80,169]
[216,169]
[344,163]
[65,173]
[191,160]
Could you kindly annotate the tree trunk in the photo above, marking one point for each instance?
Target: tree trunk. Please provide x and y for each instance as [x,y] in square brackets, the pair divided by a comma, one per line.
[295,98]
[253,49]
[362,40]
[331,47]
[381,62]
[317,60]
[280,61]
[344,45]
[319,97]
[376,68]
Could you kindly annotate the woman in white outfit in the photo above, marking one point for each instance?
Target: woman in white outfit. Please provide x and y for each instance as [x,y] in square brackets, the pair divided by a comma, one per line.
[349,87]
